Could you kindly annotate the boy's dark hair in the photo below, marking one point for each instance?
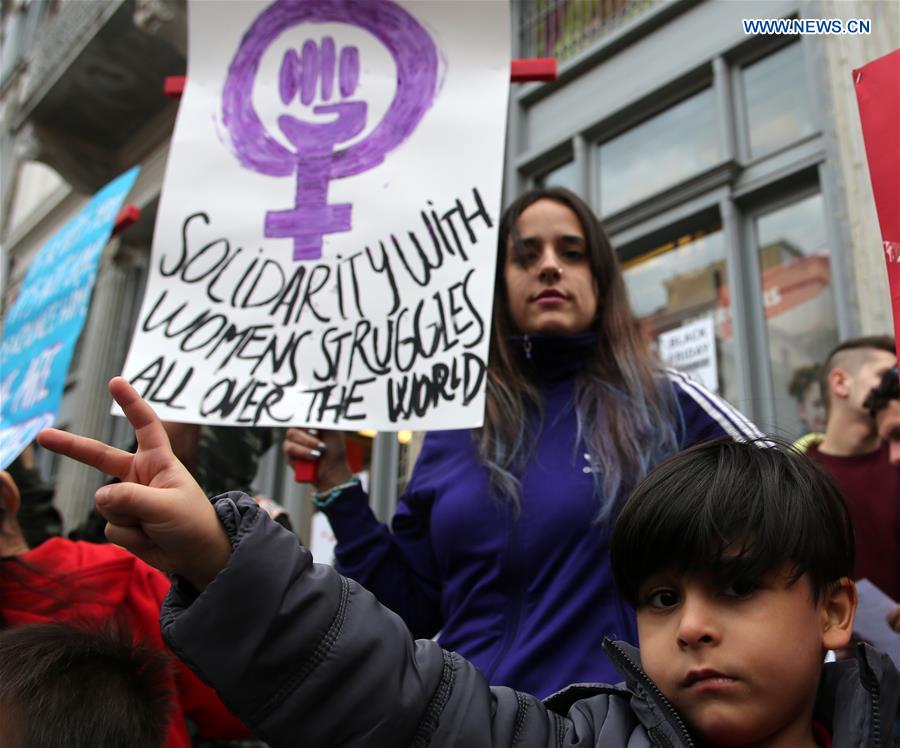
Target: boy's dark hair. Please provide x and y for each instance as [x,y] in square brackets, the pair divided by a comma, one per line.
[738,510]
[63,684]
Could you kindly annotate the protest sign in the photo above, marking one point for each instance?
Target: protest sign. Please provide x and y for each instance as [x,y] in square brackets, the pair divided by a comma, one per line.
[43,325]
[325,244]
[878,96]
[691,348]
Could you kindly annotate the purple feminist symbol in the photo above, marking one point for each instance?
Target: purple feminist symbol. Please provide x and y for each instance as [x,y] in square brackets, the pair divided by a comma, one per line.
[316,158]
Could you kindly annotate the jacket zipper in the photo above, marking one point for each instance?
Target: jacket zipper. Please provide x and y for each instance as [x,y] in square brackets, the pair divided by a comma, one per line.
[511,630]
[654,689]
[871,684]
[526,345]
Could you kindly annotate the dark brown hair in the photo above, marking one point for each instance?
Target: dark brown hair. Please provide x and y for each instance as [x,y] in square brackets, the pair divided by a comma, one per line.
[62,684]
[737,510]
[625,408]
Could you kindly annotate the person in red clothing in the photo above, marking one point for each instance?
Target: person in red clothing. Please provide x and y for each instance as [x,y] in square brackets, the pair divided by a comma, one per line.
[64,580]
[853,453]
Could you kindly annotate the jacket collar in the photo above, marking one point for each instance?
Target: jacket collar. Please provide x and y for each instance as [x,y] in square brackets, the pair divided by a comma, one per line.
[552,358]
[650,706]
[663,724]
[858,698]
[855,700]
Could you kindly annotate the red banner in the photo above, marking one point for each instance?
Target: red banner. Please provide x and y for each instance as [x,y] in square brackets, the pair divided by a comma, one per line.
[878,95]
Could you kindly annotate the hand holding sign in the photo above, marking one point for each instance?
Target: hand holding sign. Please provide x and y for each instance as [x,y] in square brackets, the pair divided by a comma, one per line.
[327,448]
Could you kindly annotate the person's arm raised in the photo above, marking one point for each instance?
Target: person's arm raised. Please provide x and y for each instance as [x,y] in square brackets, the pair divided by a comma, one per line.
[158,511]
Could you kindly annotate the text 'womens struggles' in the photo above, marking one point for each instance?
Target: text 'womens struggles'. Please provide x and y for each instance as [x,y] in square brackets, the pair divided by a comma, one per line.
[438,323]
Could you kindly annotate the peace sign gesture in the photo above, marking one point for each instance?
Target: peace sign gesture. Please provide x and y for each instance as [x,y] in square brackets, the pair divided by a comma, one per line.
[158,512]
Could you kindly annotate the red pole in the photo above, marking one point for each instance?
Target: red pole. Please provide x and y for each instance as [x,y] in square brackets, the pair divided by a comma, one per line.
[127,216]
[541,69]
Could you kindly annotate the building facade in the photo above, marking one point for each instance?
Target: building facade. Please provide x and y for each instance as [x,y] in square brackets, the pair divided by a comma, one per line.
[730,172]
[728,168]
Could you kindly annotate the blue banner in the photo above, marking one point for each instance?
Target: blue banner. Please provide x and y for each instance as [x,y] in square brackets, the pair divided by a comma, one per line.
[43,325]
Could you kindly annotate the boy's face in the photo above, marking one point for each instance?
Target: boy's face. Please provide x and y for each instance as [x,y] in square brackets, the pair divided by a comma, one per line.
[740,662]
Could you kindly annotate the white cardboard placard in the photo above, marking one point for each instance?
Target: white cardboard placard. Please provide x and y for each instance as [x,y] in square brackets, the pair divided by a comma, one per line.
[325,244]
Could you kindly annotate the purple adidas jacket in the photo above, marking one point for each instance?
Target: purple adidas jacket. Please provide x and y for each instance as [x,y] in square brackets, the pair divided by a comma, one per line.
[530,599]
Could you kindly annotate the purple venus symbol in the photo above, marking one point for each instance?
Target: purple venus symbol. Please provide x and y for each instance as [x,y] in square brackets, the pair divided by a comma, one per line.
[316,157]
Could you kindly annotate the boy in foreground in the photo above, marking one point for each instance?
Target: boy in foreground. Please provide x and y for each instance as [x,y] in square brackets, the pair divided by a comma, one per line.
[736,557]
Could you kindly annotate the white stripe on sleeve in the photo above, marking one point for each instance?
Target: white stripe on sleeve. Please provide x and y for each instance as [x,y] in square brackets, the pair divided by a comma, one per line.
[732,421]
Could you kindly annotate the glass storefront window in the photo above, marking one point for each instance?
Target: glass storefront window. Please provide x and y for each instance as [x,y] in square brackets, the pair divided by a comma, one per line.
[664,150]
[776,100]
[679,291]
[562,176]
[800,310]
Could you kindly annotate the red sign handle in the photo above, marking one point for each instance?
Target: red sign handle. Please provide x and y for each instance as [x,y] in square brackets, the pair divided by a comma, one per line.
[528,71]
[127,216]
[306,471]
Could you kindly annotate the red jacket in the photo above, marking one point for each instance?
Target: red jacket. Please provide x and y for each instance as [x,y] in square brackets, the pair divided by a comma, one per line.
[74,580]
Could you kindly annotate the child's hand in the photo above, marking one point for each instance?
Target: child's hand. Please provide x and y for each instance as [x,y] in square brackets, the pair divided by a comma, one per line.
[158,512]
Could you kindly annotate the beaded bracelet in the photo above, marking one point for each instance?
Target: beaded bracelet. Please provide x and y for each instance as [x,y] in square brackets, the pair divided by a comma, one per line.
[324,499]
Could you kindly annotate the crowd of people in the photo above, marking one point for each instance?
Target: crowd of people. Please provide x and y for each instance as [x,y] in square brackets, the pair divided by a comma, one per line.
[607,503]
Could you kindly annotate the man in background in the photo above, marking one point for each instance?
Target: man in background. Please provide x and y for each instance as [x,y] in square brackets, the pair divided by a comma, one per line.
[853,453]
[806,389]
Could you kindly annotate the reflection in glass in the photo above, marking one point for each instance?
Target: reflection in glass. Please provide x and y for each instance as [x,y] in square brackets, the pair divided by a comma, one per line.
[673,145]
[777,100]
[562,176]
[682,282]
[800,311]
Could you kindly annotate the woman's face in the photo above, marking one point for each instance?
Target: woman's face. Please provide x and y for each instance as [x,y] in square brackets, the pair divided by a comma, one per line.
[549,283]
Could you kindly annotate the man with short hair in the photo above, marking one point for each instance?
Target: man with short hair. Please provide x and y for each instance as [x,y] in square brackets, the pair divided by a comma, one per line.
[853,454]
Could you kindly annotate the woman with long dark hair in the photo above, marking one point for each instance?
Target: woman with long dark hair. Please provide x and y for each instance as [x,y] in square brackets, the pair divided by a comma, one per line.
[500,543]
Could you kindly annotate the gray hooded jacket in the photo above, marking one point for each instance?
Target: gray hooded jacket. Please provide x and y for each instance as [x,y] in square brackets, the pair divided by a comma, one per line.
[306,657]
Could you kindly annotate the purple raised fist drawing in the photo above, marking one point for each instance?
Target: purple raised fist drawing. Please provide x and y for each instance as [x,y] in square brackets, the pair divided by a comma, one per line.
[319,72]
